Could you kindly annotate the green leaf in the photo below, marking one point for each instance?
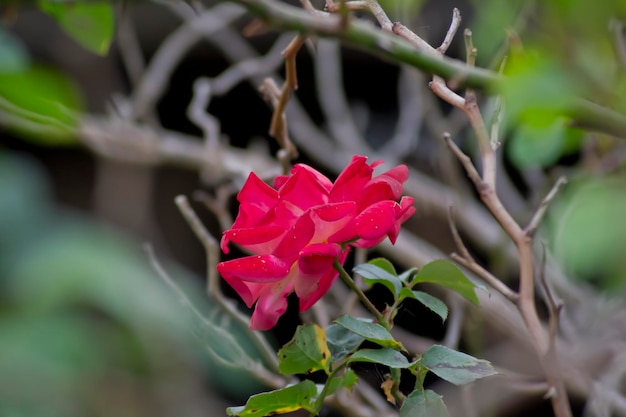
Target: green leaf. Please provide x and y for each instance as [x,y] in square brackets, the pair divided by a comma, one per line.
[45,97]
[455,367]
[423,403]
[306,352]
[347,380]
[91,24]
[380,271]
[433,303]
[383,263]
[446,274]
[295,397]
[407,275]
[341,341]
[369,331]
[389,357]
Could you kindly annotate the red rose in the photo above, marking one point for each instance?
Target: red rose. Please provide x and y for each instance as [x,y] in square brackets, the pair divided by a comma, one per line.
[299,227]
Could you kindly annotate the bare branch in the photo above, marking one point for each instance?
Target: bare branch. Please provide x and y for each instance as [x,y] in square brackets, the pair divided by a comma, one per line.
[213,252]
[543,207]
[172,50]
[465,160]
[454,26]
[197,113]
[468,261]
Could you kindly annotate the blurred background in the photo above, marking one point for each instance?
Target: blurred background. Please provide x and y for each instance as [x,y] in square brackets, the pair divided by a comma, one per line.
[99,133]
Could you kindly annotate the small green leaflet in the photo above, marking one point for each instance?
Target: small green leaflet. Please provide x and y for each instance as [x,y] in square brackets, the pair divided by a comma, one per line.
[423,403]
[389,357]
[433,303]
[341,341]
[306,352]
[369,331]
[380,271]
[455,367]
[347,380]
[91,24]
[446,274]
[295,397]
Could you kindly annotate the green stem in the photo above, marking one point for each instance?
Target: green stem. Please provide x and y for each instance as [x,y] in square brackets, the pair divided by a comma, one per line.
[368,304]
[320,398]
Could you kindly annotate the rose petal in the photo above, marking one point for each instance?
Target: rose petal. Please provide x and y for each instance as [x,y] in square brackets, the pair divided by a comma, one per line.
[262,239]
[259,268]
[322,285]
[351,181]
[376,220]
[304,189]
[271,305]
[314,262]
[257,191]
[404,210]
[296,238]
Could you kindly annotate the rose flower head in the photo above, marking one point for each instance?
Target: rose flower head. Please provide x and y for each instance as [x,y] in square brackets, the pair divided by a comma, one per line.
[298,228]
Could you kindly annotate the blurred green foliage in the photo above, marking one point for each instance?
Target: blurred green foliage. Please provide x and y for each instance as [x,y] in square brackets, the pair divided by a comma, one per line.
[86,326]
[46,101]
[588,232]
[91,24]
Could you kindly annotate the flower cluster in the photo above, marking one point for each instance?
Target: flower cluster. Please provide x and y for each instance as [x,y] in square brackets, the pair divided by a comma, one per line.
[297,229]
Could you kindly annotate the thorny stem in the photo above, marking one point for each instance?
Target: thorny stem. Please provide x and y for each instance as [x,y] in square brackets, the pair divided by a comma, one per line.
[366,302]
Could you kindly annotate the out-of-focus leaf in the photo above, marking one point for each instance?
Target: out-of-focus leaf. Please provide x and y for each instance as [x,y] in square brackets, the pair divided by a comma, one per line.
[42,96]
[423,403]
[306,352]
[286,400]
[589,233]
[432,303]
[341,341]
[389,357]
[380,271]
[91,24]
[446,274]
[369,331]
[455,367]
[13,55]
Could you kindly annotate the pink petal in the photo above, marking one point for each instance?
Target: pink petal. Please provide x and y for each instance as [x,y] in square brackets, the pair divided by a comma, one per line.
[374,192]
[322,284]
[314,262]
[271,305]
[334,211]
[258,268]
[376,220]
[296,238]
[399,173]
[331,218]
[404,210]
[304,189]
[351,181]
[258,192]
[315,259]
[260,239]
